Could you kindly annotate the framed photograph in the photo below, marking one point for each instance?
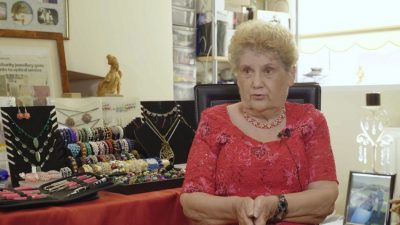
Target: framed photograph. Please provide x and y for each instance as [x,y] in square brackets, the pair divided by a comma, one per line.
[368,196]
[32,66]
[35,15]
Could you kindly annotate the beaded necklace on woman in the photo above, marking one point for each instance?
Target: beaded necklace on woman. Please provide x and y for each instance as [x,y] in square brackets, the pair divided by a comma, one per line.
[269,123]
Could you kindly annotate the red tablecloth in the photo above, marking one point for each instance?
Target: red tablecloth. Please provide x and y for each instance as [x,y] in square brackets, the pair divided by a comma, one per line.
[153,208]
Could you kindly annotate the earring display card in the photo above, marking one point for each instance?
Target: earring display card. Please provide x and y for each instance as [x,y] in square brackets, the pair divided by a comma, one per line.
[119,111]
[66,190]
[32,141]
[78,112]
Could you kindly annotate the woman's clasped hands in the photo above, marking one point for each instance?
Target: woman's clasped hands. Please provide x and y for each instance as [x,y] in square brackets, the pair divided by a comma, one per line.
[255,211]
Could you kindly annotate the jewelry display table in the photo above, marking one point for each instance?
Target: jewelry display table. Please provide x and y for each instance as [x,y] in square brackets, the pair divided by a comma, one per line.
[158,207]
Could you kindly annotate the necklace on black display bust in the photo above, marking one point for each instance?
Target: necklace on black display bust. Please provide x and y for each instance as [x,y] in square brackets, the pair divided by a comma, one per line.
[166,151]
[22,142]
[35,139]
[268,124]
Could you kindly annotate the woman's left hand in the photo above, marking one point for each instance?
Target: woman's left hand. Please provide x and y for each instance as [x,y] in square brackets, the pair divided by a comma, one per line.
[264,208]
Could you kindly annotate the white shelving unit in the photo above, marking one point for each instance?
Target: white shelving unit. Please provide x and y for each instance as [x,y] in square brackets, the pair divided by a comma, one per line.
[213,12]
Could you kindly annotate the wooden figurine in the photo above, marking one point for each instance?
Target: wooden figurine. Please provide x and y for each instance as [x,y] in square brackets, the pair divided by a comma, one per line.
[111,84]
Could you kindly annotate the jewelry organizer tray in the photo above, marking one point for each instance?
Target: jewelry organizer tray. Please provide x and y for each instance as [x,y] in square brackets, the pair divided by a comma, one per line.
[128,189]
[62,191]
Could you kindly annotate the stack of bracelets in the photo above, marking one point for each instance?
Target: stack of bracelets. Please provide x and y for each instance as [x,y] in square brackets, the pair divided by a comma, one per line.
[89,153]
[96,145]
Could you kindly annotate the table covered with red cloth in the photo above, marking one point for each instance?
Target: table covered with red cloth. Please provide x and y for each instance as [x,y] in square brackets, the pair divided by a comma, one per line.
[153,208]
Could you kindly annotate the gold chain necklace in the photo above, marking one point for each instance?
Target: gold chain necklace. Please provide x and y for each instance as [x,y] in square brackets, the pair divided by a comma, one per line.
[166,151]
[267,124]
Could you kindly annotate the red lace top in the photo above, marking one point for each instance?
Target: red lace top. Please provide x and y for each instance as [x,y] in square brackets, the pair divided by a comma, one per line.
[224,161]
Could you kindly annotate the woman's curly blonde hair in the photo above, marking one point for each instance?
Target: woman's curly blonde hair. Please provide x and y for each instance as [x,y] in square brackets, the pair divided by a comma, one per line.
[263,36]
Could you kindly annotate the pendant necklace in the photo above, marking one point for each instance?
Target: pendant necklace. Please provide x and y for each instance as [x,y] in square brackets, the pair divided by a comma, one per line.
[35,140]
[166,151]
[268,124]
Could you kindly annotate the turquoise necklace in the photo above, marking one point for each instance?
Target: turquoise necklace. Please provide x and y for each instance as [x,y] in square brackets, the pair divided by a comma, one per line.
[35,140]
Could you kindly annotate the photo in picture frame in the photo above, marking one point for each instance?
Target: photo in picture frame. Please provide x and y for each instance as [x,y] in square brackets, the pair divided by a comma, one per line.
[368,197]
[32,66]
[35,15]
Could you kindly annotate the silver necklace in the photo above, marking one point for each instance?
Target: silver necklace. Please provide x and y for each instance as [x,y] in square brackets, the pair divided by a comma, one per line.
[37,153]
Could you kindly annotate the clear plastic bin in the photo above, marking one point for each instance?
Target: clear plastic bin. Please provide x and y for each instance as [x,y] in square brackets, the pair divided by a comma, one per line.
[183,3]
[183,91]
[185,74]
[183,17]
[184,36]
[183,55]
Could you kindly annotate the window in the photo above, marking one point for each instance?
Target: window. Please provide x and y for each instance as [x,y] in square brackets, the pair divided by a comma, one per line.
[349,42]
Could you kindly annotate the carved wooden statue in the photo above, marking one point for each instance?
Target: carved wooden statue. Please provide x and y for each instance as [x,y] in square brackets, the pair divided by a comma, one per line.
[111,83]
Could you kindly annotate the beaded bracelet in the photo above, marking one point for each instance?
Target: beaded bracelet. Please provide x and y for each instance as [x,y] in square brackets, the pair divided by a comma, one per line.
[74,149]
[89,134]
[83,149]
[88,148]
[75,132]
[66,172]
[121,132]
[108,132]
[72,135]
[94,147]
[116,146]
[110,146]
[74,165]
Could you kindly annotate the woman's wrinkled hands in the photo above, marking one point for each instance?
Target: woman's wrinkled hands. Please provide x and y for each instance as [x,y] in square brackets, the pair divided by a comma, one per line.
[264,209]
[255,211]
[244,210]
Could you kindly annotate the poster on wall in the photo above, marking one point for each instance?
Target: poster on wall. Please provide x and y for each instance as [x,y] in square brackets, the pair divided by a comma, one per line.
[35,15]
[24,74]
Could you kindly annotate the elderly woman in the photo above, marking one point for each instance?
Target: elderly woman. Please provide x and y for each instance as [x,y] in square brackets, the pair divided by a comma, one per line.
[262,160]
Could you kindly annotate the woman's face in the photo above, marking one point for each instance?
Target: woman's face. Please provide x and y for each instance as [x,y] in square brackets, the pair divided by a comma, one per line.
[263,81]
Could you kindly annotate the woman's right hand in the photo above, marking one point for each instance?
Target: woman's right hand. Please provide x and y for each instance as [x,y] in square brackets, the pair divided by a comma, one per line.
[243,207]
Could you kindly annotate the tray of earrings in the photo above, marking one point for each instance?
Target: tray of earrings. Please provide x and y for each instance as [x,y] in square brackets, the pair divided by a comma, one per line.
[66,190]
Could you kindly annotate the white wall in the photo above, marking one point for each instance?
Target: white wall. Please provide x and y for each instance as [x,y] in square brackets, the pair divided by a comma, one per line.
[138,33]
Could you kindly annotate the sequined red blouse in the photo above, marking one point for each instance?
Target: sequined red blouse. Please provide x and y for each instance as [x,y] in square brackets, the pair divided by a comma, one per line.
[224,161]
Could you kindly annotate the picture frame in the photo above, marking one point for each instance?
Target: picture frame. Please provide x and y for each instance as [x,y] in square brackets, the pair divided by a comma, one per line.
[37,15]
[368,197]
[37,61]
